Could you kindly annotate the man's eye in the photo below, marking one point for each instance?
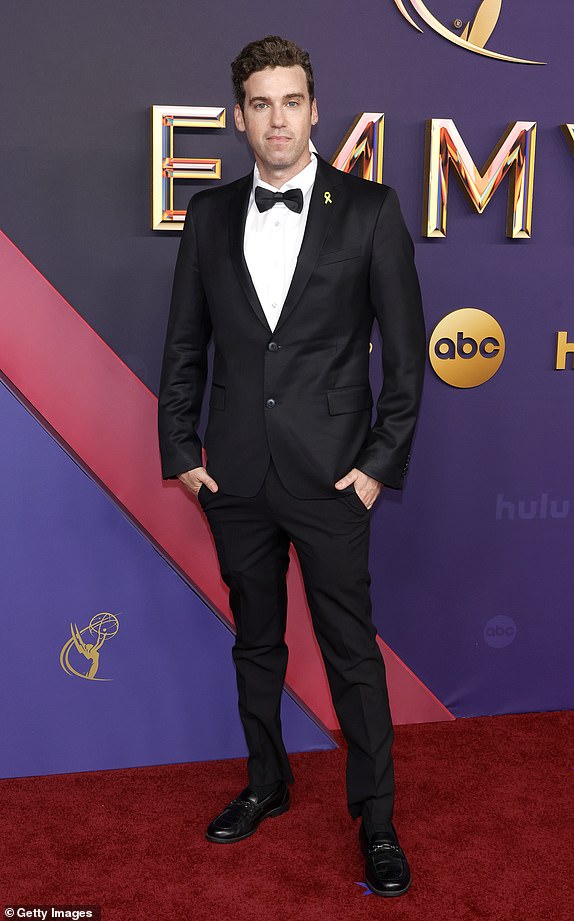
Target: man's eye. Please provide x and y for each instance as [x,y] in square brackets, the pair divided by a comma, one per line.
[260,105]
[292,103]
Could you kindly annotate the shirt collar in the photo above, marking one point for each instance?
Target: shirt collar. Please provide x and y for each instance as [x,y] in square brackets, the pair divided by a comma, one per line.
[303,180]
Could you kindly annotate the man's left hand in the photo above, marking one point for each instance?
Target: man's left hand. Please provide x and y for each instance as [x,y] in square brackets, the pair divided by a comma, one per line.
[367,489]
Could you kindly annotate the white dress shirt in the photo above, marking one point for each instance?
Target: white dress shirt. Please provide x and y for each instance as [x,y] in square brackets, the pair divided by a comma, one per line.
[273,239]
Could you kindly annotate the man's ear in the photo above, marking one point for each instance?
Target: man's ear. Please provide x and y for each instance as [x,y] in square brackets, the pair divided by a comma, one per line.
[238,116]
[314,113]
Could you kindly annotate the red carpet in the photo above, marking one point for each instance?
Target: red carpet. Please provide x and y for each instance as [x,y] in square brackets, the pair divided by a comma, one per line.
[484,814]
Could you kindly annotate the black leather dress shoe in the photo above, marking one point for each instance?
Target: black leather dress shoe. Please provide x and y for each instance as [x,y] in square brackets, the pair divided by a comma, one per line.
[243,815]
[386,869]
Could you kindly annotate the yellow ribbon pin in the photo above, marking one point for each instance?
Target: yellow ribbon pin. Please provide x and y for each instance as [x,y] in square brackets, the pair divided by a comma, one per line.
[328,199]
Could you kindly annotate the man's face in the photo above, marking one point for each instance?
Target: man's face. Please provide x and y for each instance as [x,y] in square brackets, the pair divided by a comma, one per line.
[277,116]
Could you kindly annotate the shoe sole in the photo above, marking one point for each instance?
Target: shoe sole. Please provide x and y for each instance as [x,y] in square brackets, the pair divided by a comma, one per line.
[279,810]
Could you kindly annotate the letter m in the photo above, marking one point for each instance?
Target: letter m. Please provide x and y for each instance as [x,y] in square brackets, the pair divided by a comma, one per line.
[362,147]
[515,154]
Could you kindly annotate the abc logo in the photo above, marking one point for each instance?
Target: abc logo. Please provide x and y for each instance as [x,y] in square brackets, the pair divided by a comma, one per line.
[467,347]
[500,631]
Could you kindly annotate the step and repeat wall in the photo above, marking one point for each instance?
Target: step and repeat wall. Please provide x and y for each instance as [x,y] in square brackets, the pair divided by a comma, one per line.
[116,635]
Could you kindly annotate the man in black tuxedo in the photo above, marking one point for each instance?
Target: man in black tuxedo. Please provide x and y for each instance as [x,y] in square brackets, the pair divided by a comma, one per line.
[286,269]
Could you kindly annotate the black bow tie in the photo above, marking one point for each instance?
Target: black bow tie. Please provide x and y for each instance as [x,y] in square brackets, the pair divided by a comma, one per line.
[292,199]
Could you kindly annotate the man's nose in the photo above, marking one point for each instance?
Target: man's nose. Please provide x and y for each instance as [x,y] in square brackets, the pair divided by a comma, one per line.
[277,115]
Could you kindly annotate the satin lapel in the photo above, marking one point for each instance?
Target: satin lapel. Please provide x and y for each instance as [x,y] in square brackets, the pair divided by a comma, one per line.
[322,210]
[237,217]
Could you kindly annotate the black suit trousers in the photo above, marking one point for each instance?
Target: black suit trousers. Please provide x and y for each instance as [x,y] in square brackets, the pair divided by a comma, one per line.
[331,537]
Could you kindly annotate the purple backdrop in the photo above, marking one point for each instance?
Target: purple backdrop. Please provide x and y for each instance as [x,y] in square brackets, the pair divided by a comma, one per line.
[470,565]
[72,554]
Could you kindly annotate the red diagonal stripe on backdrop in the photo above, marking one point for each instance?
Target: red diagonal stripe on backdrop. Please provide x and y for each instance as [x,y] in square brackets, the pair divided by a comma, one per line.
[107,416]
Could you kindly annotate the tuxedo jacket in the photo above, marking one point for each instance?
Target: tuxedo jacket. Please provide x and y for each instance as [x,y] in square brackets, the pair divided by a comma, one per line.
[300,393]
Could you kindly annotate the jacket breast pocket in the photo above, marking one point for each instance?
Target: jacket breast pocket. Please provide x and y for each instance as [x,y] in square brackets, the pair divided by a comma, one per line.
[340,255]
[349,399]
[217,397]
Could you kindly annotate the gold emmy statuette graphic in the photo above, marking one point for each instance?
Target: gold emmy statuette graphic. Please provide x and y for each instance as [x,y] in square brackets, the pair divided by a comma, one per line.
[101,628]
[474,35]
[467,347]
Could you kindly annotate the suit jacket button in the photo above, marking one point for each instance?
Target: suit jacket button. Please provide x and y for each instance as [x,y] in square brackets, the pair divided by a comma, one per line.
[273,346]
[270,404]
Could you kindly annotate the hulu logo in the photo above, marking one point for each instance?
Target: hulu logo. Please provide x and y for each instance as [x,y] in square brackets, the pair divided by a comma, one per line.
[531,509]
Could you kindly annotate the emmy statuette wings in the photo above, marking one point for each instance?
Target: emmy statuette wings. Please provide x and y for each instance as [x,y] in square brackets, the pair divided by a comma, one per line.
[479,31]
[474,35]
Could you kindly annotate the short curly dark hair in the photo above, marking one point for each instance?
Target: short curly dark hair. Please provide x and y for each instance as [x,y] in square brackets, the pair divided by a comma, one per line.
[271,51]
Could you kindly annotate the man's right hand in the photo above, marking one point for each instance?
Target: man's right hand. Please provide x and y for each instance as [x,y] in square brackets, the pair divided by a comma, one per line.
[192,480]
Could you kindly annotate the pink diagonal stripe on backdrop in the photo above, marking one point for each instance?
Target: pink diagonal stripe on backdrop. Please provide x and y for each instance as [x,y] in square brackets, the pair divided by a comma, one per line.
[107,416]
